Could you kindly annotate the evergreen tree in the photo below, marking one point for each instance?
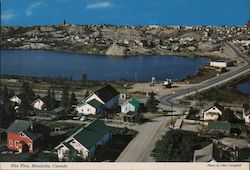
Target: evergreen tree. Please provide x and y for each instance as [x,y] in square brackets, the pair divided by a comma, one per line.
[151,103]
[27,98]
[86,94]
[84,79]
[65,99]
[53,99]
[73,100]
[48,100]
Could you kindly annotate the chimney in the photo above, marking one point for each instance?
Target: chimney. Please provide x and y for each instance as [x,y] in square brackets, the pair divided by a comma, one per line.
[31,127]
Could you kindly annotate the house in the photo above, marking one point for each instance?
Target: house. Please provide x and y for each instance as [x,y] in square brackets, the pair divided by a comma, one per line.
[206,154]
[246,116]
[107,95]
[212,111]
[38,104]
[227,128]
[26,136]
[221,64]
[86,140]
[92,107]
[132,105]
[16,99]
[129,117]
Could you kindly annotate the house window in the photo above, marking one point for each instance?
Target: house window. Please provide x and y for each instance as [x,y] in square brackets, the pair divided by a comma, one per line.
[21,134]
[10,143]
[16,144]
[30,146]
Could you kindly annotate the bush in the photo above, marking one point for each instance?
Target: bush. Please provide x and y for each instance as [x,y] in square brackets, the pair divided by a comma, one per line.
[178,145]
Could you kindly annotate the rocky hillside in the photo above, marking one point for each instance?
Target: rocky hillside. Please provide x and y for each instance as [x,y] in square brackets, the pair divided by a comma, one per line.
[126,40]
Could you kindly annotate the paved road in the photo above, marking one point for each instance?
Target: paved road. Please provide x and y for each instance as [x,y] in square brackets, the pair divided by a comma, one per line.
[138,150]
[167,99]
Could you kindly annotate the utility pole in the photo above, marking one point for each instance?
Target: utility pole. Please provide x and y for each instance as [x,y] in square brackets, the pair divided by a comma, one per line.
[172,108]
[136,77]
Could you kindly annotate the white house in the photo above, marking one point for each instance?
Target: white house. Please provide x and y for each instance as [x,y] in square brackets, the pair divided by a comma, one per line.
[92,107]
[38,104]
[246,116]
[16,99]
[221,64]
[85,140]
[107,95]
[132,105]
[212,111]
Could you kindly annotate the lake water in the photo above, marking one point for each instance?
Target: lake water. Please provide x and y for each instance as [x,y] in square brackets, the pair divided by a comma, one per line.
[244,87]
[51,63]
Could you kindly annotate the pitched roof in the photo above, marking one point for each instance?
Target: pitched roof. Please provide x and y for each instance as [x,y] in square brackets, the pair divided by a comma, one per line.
[32,136]
[92,133]
[106,93]
[19,126]
[95,103]
[68,146]
[204,154]
[212,104]
[135,103]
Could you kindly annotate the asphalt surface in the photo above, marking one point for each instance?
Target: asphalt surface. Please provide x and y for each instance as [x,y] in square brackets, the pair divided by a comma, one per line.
[139,149]
[167,99]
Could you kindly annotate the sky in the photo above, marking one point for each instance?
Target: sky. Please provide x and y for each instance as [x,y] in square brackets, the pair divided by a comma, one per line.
[125,12]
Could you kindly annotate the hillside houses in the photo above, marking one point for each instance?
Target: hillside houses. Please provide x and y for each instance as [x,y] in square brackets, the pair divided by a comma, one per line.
[85,140]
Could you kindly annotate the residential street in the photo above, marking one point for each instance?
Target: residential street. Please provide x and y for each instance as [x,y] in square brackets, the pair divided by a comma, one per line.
[139,149]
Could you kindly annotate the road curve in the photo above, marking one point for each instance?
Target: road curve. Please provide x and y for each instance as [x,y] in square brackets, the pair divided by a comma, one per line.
[139,149]
[167,99]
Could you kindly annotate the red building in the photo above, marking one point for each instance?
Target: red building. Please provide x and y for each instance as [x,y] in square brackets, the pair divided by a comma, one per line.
[25,136]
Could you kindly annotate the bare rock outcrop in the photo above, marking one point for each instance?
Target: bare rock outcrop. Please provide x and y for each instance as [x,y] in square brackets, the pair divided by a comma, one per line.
[115,50]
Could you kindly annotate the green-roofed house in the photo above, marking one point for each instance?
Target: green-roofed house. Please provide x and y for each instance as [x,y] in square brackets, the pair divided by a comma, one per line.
[85,140]
[131,105]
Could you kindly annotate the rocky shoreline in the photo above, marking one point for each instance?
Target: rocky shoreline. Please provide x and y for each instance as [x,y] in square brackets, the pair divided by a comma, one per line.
[196,41]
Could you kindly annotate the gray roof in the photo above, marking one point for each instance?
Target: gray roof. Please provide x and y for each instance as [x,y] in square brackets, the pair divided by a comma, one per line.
[106,93]
[95,103]
[204,154]
[213,104]
[19,126]
[32,136]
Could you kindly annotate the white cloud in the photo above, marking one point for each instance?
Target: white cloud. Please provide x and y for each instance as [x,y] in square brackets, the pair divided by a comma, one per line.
[99,5]
[32,7]
[7,15]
